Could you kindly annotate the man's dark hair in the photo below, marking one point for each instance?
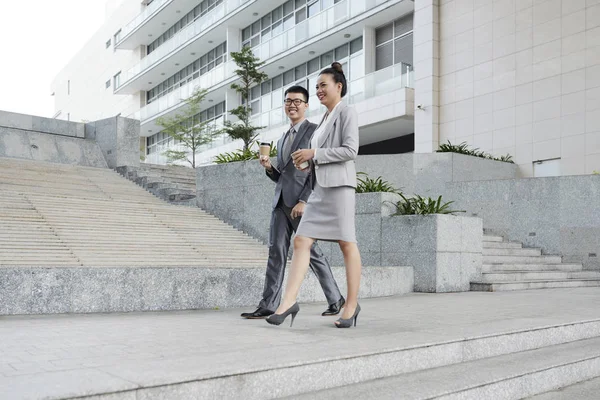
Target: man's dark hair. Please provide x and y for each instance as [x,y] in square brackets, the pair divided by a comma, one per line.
[297,89]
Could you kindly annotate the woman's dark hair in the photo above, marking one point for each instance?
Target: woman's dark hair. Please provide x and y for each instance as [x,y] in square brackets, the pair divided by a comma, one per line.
[338,76]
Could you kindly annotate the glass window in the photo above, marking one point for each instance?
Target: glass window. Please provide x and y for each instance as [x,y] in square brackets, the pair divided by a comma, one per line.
[403,50]
[326,4]
[107,84]
[266,34]
[255,27]
[327,59]
[288,77]
[300,71]
[277,28]
[356,45]
[117,79]
[266,21]
[384,34]
[300,3]
[255,92]
[300,15]
[108,43]
[255,106]
[246,33]
[357,67]
[403,25]
[313,65]
[314,8]
[288,22]
[288,7]
[117,36]
[341,52]
[384,56]
[266,87]
[277,82]
[277,14]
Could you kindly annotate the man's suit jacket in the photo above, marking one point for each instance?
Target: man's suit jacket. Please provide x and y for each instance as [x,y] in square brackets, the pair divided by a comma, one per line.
[337,148]
[292,184]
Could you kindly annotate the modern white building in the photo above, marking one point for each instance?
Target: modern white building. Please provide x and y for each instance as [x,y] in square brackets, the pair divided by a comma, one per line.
[507,76]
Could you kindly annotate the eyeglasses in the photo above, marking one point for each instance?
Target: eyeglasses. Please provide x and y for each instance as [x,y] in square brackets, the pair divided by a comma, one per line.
[297,102]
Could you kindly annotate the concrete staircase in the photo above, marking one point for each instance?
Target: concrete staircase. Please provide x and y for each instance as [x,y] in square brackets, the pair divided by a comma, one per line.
[175,184]
[58,215]
[509,266]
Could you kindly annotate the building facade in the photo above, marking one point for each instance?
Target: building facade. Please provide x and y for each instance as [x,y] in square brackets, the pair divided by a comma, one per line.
[506,76]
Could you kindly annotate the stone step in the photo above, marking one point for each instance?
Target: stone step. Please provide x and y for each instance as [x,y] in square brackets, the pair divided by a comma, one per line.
[511,376]
[587,390]
[502,245]
[516,276]
[526,285]
[512,252]
[545,259]
[531,267]
[492,238]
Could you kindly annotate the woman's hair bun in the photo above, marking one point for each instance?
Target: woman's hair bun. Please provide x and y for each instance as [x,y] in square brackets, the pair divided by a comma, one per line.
[338,67]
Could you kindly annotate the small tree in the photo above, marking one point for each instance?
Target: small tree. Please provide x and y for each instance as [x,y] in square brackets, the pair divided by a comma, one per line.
[186,129]
[249,75]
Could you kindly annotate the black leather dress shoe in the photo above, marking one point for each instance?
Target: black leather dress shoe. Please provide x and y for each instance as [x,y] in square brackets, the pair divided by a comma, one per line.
[260,313]
[335,308]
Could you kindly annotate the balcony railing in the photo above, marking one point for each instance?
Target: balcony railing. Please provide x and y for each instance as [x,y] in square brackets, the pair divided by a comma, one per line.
[142,17]
[183,36]
[314,26]
[380,82]
[179,95]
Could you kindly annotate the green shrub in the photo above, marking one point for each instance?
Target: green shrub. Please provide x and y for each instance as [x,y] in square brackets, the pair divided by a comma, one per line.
[594,172]
[370,185]
[243,155]
[418,205]
[463,148]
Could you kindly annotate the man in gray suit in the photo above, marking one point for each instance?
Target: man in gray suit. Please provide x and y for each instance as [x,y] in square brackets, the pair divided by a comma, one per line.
[291,193]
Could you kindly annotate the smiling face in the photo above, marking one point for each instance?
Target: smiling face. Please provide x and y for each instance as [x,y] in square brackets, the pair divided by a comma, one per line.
[295,106]
[329,92]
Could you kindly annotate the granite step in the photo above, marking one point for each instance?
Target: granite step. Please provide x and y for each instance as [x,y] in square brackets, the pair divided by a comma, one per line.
[533,284]
[511,376]
[514,276]
[492,238]
[531,267]
[528,252]
[587,390]
[502,245]
[545,259]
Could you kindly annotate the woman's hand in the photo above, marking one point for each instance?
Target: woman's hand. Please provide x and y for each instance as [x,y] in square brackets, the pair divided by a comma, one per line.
[301,156]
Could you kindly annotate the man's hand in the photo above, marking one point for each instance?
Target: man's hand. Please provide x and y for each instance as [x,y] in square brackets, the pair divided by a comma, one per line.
[266,162]
[298,210]
[301,156]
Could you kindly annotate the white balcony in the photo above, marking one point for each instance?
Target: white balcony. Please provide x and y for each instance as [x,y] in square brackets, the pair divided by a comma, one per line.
[383,82]
[177,97]
[183,48]
[132,35]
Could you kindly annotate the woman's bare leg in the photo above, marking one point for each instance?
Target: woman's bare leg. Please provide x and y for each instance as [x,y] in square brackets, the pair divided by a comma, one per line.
[353,270]
[300,262]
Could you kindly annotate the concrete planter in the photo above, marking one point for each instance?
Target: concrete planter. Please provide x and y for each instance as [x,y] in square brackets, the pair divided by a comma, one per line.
[444,250]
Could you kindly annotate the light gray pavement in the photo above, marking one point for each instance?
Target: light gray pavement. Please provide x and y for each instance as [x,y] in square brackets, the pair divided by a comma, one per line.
[60,356]
[588,390]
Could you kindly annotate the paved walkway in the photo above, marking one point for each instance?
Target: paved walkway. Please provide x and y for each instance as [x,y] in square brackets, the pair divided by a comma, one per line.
[60,356]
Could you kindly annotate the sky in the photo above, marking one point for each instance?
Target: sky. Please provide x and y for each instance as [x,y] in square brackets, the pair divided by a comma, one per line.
[37,39]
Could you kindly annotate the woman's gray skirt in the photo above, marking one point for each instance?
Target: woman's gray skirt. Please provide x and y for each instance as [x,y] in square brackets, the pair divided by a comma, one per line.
[329,214]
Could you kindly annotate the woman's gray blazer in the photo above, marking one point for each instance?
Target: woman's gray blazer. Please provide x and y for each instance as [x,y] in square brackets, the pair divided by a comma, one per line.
[337,149]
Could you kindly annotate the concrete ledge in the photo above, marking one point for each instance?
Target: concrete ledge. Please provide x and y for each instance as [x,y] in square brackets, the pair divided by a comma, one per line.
[36,146]
[41,124]
[36,290]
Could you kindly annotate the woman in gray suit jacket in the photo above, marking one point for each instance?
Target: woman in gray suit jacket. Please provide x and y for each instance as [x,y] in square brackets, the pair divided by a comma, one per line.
[329,213]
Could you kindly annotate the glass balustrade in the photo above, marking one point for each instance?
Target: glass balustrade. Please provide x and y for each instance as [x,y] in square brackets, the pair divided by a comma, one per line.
[182,37]
[180,94]
[380,82]
[142,17]
[314,26]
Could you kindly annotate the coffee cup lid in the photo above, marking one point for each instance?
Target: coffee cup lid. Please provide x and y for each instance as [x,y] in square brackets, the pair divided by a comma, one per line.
[265,144]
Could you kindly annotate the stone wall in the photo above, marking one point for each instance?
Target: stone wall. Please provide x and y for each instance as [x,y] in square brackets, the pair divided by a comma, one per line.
[41,124]
[17,143]
[241,194]
[560,215]
[119,139]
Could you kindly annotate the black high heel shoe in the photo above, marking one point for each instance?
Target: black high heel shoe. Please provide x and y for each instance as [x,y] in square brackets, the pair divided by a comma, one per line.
[347,323]
[277,319]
